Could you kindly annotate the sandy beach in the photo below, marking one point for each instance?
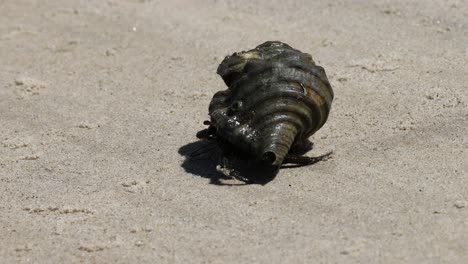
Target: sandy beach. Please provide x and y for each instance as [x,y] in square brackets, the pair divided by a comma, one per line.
[100,102]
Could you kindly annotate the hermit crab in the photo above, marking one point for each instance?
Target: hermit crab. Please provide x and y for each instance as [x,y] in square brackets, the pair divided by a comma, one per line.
[277,97]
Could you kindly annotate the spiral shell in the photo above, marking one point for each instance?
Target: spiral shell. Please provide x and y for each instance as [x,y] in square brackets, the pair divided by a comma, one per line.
[277,98]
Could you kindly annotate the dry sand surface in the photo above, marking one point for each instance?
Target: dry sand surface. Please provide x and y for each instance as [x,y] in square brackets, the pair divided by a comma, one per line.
[100,102]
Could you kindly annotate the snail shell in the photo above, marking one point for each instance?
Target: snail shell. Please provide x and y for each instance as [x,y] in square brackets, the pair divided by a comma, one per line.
[277,98]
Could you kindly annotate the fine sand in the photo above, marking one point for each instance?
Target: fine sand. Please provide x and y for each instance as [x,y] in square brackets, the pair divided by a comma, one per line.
[100,102]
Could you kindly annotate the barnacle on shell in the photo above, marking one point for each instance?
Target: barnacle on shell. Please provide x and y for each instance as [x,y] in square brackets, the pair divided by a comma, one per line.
[277,97]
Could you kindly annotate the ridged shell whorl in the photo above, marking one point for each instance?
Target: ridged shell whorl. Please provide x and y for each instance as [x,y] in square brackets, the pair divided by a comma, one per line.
[277,98]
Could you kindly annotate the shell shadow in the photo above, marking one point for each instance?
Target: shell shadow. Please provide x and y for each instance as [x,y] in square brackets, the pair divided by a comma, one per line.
[202,157]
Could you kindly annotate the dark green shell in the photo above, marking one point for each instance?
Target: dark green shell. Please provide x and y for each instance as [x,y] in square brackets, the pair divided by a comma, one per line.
[277,98]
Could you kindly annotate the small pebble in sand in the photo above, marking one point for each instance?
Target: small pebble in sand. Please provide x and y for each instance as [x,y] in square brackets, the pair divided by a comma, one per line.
[26,248]
[19,145]
[91,249]
[110,52]
[29,86]
[129,184]
[139,243]
[88,125]
[31,157]
[461,204]
[23,80]
[84,126]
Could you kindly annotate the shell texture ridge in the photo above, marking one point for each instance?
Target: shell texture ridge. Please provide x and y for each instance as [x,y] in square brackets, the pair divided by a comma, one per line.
[276,98]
